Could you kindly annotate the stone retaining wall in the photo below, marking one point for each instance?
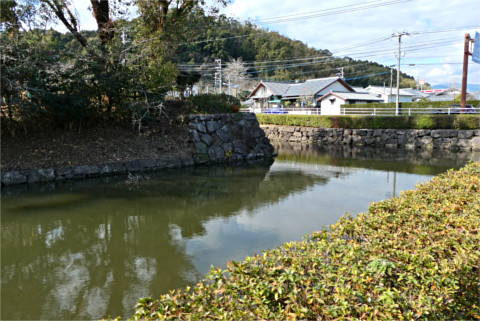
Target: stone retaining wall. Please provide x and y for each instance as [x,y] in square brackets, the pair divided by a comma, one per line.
[222,138]
[216,139]
[451,139]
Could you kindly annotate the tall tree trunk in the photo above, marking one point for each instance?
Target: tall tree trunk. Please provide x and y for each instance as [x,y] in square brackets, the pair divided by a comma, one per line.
[104,23]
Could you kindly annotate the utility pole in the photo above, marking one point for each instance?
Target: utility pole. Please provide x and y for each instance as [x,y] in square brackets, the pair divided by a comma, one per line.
[390,89]
[228,76]
[399,35]
[218,75]
[464,85]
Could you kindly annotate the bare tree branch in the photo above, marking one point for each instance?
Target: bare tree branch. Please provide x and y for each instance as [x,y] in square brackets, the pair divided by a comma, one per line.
[58,7]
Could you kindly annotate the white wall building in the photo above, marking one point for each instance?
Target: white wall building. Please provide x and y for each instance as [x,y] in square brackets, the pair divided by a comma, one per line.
[385,92]
[331,102]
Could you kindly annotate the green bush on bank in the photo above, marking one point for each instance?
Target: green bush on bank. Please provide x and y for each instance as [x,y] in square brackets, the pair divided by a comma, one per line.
[213,104]
[404,107]
[374,122]
[415,256]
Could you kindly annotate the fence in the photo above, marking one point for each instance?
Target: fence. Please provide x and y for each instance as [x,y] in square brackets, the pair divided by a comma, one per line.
[367,111]
[408,111]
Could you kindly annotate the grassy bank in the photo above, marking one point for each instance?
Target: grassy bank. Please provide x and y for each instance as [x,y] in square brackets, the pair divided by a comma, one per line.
[415,256]
[374,122]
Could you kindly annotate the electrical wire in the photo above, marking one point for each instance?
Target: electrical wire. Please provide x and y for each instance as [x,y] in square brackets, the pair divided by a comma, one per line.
[334,11]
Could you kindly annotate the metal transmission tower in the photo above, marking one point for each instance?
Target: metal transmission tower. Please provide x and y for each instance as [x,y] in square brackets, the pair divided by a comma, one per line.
[218,75]
[398,35]
[341,72]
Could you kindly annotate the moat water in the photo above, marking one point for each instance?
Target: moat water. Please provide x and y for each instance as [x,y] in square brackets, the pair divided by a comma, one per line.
[88,249]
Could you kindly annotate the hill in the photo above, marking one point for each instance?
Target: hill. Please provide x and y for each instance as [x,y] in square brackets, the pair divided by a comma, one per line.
[271,56]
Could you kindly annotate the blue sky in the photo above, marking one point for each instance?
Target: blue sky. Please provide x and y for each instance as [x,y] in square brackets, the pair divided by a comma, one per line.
[434,53]
[433,50]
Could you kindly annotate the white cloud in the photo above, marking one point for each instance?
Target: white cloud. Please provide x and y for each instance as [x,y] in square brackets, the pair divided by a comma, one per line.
[334,32]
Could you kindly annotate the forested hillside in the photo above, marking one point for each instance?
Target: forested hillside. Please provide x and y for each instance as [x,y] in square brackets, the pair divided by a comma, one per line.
[269,55]
[265,55]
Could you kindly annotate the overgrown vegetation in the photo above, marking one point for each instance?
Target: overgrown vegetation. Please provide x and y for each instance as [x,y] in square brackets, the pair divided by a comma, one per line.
[123,70]
[126,68]
[211,104]
[404,107]
[415,256]
[374,122]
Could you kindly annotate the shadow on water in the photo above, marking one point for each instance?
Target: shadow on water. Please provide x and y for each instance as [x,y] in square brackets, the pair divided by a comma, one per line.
[84,249]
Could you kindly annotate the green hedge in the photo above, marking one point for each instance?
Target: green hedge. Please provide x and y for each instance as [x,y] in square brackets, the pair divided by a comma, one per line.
[418,104]
[374,122]
[212,104]
[415,256]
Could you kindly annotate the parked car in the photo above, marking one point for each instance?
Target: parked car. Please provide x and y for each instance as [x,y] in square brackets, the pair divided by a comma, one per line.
[454,109]
[275,110]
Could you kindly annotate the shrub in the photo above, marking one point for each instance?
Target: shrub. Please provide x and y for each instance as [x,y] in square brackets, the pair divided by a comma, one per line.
[404,107]
[425,122]
[466,122]
[212,104]
[374,122]
[415,256]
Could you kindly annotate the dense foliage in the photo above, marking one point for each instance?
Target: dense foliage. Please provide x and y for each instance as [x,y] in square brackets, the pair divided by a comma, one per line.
[127,67]
[374,122]
[404,107]
[122,70]
[212,104]
[415,256]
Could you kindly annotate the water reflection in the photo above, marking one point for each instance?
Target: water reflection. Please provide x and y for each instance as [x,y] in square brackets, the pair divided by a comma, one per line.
[87,249]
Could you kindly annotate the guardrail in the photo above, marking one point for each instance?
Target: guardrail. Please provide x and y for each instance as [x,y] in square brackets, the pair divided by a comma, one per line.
[366,111]
[408,111]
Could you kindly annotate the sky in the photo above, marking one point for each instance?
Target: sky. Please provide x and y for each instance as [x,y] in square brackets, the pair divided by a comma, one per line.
[363,29]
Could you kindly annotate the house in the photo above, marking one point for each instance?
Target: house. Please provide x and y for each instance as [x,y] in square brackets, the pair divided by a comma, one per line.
[447,95]
[385,93]
[417,94]
[268,93]
[331,102]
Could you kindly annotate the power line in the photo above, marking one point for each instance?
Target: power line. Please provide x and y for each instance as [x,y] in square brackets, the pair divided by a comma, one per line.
[335,11]
[323,10]
[410,47]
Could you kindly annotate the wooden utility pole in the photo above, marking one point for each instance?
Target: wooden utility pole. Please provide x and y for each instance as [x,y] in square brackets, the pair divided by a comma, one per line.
[467,53]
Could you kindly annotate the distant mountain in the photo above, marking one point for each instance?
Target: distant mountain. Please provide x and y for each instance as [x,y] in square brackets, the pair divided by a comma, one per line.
[471,87]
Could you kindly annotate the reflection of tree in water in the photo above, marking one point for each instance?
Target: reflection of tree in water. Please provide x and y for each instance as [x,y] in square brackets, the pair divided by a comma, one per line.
[82,265]
[79,251]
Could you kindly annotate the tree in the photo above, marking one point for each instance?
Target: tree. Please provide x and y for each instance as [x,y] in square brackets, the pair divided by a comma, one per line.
[236,74]
[129,68]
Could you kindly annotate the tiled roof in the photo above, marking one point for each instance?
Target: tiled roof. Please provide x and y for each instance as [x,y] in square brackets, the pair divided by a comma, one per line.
[360,90]
[386,91]
[310,87]
[353,96]
[289,90]
[415,92]
[276,88]
[320,83]
[298,90]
